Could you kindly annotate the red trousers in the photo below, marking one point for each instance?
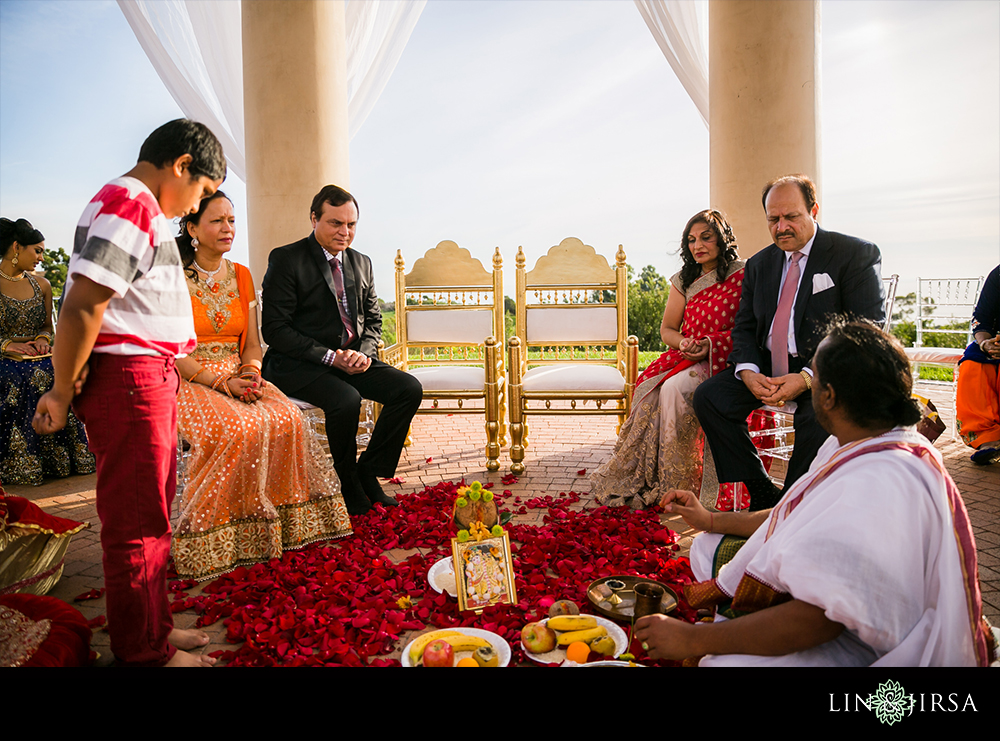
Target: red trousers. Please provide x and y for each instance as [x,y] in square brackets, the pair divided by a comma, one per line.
[129,405]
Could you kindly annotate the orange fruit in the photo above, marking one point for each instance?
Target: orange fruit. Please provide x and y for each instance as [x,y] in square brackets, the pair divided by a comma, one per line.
[578,651]
[467,661]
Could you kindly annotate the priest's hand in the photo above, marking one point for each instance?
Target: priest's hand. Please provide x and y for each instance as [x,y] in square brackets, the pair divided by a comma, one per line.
[664,637]
[686,504]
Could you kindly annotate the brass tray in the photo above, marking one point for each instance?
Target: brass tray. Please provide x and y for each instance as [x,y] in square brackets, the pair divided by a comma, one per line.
[623,610]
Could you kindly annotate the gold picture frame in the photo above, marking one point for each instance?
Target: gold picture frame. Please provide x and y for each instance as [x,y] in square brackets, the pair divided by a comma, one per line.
[484,572]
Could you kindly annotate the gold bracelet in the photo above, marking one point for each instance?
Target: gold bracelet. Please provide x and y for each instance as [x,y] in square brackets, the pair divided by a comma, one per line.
[48,338]
[807,378]
[4,344]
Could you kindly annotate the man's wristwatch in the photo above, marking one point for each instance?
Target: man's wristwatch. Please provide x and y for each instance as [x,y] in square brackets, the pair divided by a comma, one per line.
[807,378]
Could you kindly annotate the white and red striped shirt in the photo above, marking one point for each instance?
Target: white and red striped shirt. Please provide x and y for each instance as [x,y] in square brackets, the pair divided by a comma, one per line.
[124,242]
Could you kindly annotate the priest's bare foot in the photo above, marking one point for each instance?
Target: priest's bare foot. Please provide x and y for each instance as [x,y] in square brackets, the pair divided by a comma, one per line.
[183,658]
[185,640]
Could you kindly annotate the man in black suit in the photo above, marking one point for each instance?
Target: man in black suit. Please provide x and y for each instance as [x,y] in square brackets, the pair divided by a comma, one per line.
[322,322]
[790,291]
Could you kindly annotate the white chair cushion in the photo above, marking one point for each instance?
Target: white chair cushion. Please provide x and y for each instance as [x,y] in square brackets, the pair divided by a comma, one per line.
[444,325]
[577,377]
[943,355]
[450,378]
[565,326]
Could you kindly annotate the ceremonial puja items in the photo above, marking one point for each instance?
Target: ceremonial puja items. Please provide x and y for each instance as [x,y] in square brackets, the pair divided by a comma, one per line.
[484,573]
[615,597]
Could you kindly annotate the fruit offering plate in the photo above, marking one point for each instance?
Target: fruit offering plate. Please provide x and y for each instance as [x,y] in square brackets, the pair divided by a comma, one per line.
[441,577]
[558,654]
[501,646]
[598,594]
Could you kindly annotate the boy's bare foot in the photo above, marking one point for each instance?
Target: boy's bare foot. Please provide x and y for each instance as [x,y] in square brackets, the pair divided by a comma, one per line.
[185,640]
[183,658]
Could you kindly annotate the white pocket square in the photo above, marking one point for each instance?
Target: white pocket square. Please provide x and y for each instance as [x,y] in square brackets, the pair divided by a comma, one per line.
[821,281]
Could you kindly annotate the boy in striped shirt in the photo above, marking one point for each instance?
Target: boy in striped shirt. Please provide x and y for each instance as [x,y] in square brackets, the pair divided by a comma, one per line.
[126,316]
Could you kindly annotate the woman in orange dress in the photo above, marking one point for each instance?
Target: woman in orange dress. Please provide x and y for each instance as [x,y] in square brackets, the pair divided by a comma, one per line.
[257,482]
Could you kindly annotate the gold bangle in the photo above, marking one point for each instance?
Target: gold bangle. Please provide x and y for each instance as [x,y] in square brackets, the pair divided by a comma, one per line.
[44,336]
[196,374]
[807,378]
[4,344]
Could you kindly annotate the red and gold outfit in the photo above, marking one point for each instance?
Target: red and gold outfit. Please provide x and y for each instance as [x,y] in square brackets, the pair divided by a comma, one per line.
[660,445]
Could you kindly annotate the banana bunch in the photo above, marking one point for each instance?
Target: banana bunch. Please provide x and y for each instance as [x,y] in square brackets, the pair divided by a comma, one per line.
[573,628]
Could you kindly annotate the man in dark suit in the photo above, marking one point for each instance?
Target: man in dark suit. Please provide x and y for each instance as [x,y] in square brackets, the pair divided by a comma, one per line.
[322,322]
[790,291]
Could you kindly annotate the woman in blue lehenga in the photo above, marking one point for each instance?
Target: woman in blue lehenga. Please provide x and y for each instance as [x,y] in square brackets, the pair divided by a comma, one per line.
[26,338]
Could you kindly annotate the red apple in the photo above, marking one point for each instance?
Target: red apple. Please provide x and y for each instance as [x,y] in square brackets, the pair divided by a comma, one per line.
[439,653]
[538,638]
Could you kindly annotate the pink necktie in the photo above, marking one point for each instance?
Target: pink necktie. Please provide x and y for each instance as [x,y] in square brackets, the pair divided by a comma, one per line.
[779,330]
[345,314]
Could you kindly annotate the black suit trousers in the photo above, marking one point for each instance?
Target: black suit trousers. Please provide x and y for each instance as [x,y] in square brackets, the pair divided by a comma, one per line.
[722,404]
[339,395]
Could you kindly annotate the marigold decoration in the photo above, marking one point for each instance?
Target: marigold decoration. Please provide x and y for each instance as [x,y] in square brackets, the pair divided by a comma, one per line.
[404,602]
[475,503]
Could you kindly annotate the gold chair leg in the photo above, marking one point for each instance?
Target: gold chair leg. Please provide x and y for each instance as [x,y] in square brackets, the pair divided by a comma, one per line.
[492,404]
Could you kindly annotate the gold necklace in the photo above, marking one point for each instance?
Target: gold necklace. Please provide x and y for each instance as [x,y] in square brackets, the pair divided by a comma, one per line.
[11,278]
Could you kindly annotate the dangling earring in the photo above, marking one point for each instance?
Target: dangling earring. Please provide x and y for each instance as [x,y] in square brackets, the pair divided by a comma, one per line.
[195,243]
[13,263]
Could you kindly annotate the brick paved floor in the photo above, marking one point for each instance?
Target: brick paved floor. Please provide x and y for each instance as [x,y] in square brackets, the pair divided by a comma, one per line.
[558,448]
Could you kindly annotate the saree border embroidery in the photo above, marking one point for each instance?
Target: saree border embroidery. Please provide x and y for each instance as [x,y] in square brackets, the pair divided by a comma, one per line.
[222,549]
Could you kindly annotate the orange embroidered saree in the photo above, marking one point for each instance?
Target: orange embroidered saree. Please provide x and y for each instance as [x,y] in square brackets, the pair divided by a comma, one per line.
[256,482]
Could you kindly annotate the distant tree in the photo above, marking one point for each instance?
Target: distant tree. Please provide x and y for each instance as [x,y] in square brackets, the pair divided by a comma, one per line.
[56,265]
[509,314]
[647,297]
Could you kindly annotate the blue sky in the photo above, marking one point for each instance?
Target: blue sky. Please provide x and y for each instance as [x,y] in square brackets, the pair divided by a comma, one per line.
[520,123]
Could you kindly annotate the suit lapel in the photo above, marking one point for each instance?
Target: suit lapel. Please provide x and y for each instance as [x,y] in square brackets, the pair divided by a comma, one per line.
[350,285]
[319,256]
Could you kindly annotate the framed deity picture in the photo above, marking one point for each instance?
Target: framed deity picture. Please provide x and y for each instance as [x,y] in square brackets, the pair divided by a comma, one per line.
[484,574]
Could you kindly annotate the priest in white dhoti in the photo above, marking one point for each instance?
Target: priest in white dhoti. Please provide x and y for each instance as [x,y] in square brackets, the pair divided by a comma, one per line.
[868,559]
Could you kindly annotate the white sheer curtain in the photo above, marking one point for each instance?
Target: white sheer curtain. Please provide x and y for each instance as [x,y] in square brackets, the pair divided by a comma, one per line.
[197,50]
[680,28]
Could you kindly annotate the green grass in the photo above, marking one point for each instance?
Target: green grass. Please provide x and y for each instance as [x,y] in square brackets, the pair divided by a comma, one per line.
[934,373]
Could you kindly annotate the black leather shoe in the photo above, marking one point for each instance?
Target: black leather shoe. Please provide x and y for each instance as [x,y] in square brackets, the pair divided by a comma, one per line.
[355,499]
[373,490]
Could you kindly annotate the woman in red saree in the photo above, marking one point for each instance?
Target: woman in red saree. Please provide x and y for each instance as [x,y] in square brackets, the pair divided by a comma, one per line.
[659,447]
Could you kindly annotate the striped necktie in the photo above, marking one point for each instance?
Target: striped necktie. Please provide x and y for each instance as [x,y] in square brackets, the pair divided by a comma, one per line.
[345,312]
[779,331]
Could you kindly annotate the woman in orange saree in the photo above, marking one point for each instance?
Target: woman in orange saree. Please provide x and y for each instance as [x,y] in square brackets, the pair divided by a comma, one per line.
[660,446]
[977,400]
[257,482]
